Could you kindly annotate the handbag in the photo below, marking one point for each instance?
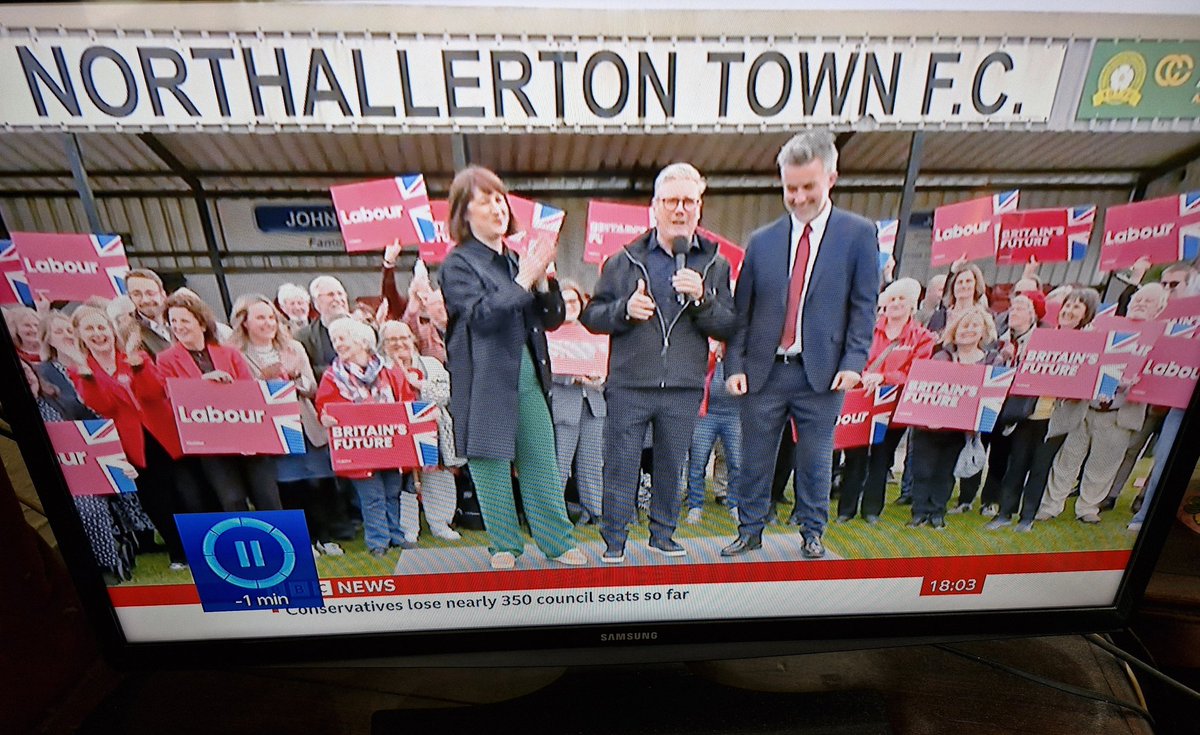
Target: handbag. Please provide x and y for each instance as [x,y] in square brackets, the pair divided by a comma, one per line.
[972,457]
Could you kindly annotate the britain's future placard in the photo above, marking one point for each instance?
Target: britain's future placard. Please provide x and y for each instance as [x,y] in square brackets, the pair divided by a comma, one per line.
[1045,235]
[948,395]
[383,436]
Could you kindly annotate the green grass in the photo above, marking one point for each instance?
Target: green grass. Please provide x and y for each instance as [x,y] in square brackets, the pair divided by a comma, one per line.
[963,536]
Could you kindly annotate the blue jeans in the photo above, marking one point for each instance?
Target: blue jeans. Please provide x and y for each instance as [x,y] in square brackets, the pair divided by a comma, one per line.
[710,427]
[1166,440]
[379,499]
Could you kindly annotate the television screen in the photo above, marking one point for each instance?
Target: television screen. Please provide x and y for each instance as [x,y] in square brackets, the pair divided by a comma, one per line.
[431,406]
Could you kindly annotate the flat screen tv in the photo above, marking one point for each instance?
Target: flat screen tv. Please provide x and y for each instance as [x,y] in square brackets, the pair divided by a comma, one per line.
[251,461]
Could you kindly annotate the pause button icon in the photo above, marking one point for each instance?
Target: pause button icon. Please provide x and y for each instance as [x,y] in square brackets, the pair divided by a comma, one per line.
[244,557]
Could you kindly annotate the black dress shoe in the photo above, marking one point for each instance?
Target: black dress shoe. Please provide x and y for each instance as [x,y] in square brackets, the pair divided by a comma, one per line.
[742,545]
[1137,503]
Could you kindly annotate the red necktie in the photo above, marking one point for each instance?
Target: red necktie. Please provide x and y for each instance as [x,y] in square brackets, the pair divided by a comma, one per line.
[795,289]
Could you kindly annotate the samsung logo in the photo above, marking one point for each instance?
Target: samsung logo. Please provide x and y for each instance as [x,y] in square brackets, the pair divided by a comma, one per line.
[614,637]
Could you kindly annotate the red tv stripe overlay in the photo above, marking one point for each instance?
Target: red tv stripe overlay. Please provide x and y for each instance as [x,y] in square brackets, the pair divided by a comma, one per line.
[729,573]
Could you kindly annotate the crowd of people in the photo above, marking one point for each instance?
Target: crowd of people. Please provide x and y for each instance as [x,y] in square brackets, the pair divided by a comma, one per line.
[757,372]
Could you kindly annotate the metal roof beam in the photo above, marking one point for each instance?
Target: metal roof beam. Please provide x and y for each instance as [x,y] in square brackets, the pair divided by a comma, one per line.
[202,209]
[1175,162]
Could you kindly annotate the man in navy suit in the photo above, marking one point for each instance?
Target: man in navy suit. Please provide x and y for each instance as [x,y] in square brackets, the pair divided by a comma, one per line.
[806,309]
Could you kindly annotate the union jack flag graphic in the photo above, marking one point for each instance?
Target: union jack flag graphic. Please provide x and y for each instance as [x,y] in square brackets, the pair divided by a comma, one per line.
[282,394]
[996,382]
[110,246]
[1005,201]
[886,231]
[547,218]
[90,455]
[1107,382]
[1189,203]
[422,417]
[1108,379]
[107,246]
[1121,342]
[1183,327]
[1079,230]
[885,395]
[17,291]
[1189,232]
[1107,309]
[411,186]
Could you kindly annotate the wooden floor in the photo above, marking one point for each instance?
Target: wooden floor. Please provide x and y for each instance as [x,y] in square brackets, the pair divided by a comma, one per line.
[925,689]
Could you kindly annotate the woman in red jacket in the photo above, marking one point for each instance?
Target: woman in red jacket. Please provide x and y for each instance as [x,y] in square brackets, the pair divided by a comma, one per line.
[358,375]
[123,384]
[899,340]
[240,480]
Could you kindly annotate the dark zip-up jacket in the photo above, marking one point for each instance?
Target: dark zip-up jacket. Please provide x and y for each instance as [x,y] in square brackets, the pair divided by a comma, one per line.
[658,353]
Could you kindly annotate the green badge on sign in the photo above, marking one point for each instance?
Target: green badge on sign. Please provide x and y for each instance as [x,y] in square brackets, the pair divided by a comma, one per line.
[1145,79]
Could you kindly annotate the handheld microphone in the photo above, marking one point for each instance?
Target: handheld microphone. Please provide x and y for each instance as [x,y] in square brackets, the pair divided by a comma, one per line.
[679,246]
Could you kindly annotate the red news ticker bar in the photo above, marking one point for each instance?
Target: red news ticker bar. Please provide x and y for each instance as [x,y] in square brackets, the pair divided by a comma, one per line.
[935,568]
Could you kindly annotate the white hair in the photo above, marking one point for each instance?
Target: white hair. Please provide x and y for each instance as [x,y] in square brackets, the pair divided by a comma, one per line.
[678,171]
[907,287]
[1157,290]
[321,281]
[118,306]
[354,330]
[290,291]
[804,147]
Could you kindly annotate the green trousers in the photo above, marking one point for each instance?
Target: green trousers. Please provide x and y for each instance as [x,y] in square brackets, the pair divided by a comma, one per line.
[541,483]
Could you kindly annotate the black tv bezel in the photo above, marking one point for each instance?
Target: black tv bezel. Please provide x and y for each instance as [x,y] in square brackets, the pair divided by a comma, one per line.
[582,644]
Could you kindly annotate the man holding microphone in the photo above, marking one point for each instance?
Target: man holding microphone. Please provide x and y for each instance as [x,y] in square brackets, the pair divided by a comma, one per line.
[661,297]
[806,310]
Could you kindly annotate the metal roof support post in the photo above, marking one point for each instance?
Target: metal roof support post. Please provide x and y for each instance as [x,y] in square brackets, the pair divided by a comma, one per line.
[459,152]
[915,149]
[79,173]
[206,223]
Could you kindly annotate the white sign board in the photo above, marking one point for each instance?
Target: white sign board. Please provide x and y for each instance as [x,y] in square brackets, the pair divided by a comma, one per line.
[149,80]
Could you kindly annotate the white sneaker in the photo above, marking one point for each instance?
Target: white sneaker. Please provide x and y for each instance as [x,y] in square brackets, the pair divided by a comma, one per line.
[446,533]
[503,560]
[329,548]
[316,552]
[570,557]
[694,515]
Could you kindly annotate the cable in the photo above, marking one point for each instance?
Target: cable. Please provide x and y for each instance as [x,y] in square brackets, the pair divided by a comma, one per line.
[1051,683]
[1099,642]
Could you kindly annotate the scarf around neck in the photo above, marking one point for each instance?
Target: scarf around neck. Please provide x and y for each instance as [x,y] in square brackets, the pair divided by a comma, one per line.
[362,384]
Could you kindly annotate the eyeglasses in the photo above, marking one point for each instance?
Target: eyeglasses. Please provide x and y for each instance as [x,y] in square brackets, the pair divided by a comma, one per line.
[689,204]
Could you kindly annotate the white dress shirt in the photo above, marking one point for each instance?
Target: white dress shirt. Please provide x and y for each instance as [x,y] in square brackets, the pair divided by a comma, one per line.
[814,244]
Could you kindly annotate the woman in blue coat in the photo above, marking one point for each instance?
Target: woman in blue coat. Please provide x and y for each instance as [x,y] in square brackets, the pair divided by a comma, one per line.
[499,308]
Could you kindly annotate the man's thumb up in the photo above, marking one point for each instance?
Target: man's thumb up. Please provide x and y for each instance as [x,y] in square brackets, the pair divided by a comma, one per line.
[641,287]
